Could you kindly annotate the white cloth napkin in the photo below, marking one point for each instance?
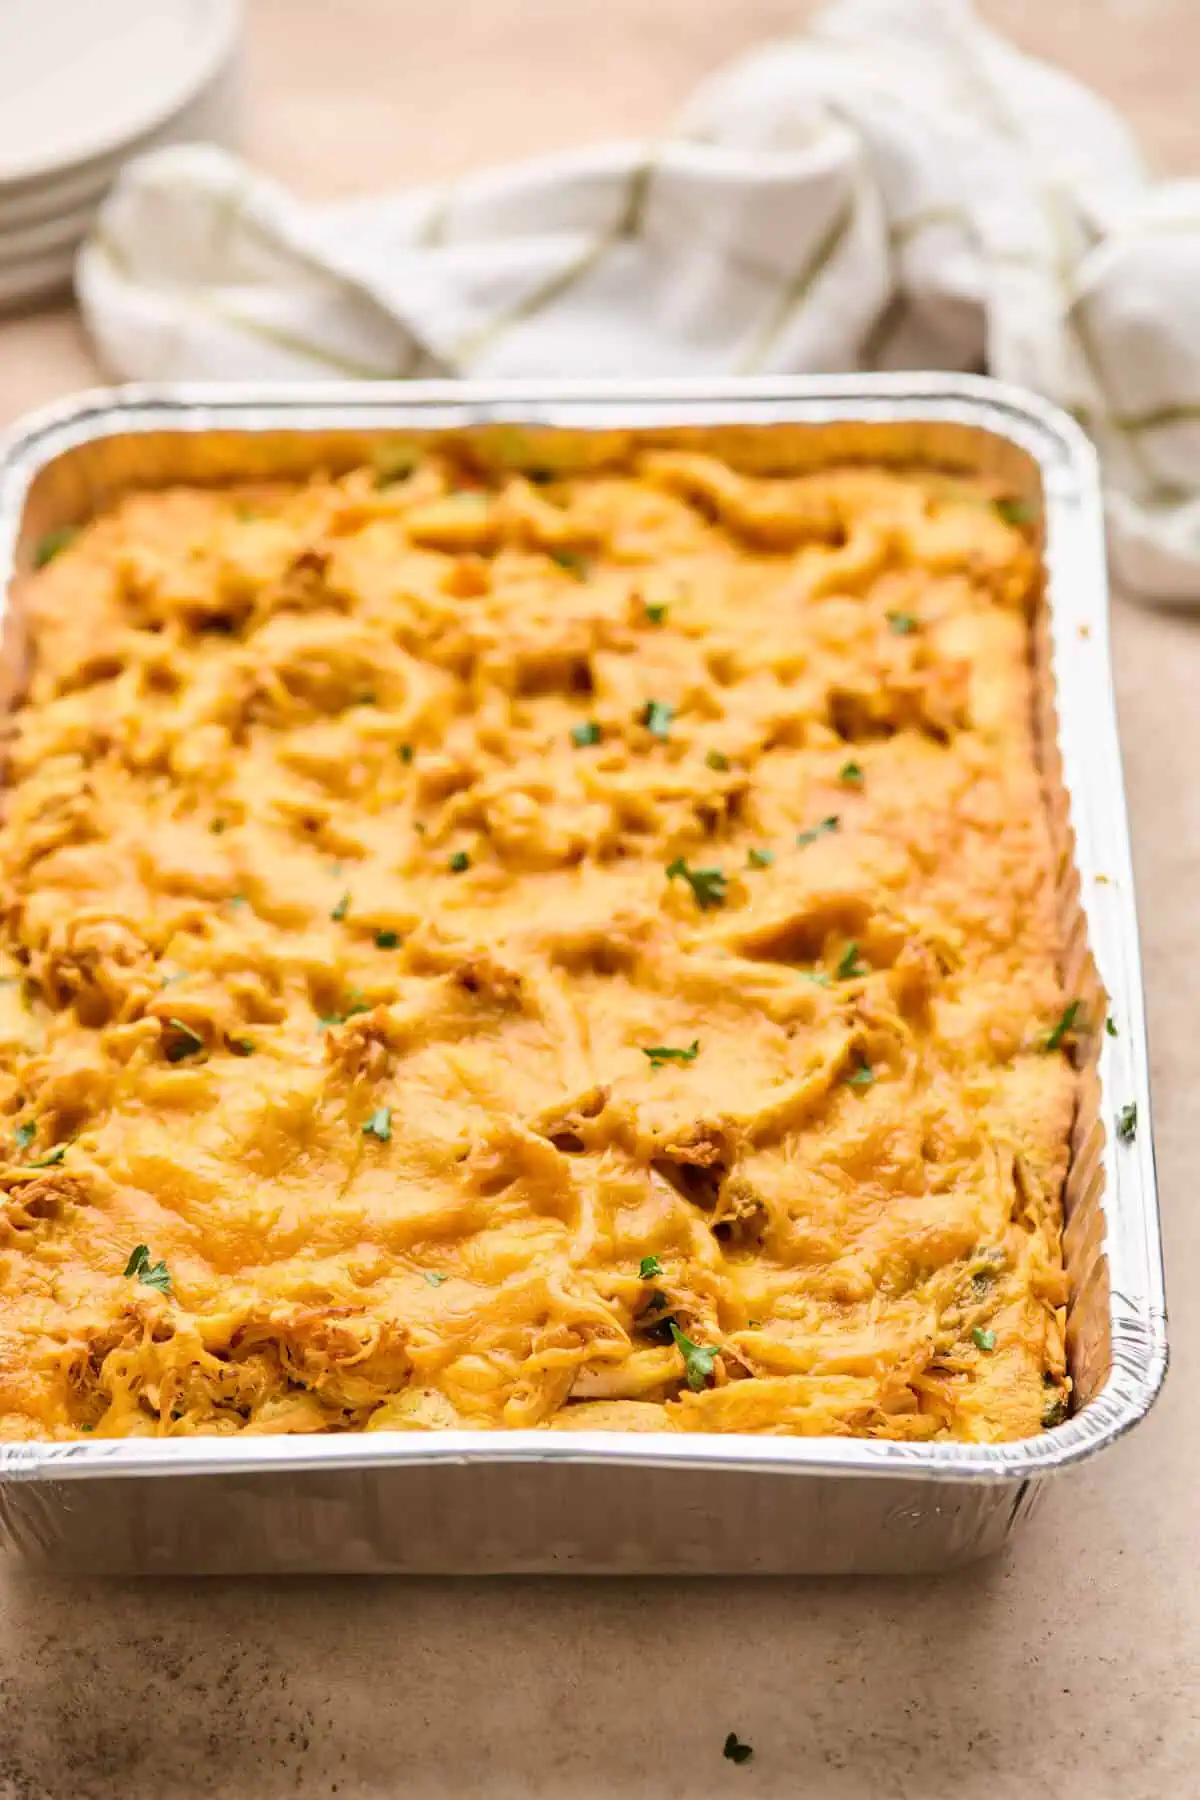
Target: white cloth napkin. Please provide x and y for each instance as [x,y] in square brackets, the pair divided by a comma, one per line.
[896,188]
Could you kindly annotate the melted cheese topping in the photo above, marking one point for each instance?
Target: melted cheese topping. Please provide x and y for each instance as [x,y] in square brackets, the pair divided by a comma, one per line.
[496,952]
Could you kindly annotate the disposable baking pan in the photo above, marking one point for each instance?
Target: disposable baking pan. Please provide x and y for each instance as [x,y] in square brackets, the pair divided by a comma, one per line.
[597,1502]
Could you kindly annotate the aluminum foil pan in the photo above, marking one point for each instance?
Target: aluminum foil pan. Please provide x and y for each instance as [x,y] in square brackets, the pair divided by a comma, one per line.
[599,1501]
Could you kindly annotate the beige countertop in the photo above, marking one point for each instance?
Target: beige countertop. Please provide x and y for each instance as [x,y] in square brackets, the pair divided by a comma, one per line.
[1067,1668]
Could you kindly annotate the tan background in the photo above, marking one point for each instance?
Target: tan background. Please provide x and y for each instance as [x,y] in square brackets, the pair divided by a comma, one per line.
[1070,1668]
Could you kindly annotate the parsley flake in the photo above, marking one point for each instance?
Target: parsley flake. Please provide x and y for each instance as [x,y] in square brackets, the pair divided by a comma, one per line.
[983,1340]
[1066,1025]
[656,716]
[1016,512]
[663,1053]
[708,885]
[862,1077]
[341,909]
[851,774]
[1127,1123]
[386,940]
[358,1004]
[902,623]
[155,1275]
[656,614]
[572,562]
[404,752]
[379,1124]
[804,838]
[850,967]
[698,1359]
[1055,1413]
[1110,1025]
[717,759]
[51,1157]
[187,1042]
[585,734]
[435,1278]
[241,1046]
[649,1268]
[759,859]
[25,1134]
[52,544]
[458,862]
[735,1751]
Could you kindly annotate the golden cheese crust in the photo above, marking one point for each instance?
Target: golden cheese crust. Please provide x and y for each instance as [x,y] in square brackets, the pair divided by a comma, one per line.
[488,951]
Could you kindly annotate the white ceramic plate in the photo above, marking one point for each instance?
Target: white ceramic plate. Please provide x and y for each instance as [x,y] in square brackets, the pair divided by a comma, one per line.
[84,79]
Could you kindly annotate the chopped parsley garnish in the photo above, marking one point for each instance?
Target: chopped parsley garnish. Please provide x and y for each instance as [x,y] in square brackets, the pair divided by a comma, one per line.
[759,859]
[458,862]
[238,900]
[572,562]
[1055,1413]
[804,838]
[656,716]
[379,1124]
[1066,1024]
[51,1157]
[717,759]
[583,735]
[862,1077]
[155,1275]
[850,966]
[187,1042]
[25,1134]
[217,827]
[1016,512]
[393,462]
[902,623]
[358,1004]
[649,1268]
[386,940]
[1127,1123]
[435,1277]
[656,614]
[851,773]
[735,1751]
[698,1359]
[983,1340]
[49,546]
[1110,1025]
[708,885]
[663,1053]
[404,752]
[241,1046]
[341,909]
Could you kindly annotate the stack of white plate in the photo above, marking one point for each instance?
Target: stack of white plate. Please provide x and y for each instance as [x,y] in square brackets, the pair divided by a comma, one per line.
[85,84]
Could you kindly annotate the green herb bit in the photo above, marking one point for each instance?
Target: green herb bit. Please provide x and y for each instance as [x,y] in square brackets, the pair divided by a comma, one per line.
[1055,1413]
[862,1077]
[708,885]
[759,859]
[804,838]
[983,1340]
[851,774]
[241,1046]
[217,827]
[1016,512]
[458,862]
[393,462]
[379,1124]
[656,716]
[25,1134]
[1065,1026]
[155,1275]
[649,1268]
[52,544]
[717,759]
[698,1359]
[51,1157]
[1127,1123]
[1110,1025]
[583,735]
[663,1053]
[341,909]
[238,900]
[735,1751]
[656,614]
[187,1042]
[850,967]
[435,1278]
[404,752]
[572,562]
[386,940]
[902,623]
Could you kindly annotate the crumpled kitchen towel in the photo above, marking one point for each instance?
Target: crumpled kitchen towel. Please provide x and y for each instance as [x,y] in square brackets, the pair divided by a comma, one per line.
[897,188]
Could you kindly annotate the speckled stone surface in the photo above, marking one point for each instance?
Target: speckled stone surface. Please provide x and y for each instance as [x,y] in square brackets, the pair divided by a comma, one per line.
[1068,1668]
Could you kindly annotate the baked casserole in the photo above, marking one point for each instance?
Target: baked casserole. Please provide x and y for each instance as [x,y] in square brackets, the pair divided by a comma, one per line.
[559,947]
